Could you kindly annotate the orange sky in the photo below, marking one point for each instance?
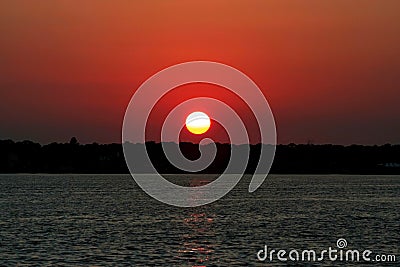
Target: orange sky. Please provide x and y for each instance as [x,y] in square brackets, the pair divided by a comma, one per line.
[329,69]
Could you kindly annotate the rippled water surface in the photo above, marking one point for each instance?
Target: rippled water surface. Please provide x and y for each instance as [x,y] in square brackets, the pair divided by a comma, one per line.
[101,220]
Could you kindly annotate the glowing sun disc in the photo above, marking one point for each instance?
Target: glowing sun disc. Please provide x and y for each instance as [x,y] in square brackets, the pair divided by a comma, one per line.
[198,122]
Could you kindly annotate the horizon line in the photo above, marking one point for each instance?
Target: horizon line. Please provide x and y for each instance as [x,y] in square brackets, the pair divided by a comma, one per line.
[188,142]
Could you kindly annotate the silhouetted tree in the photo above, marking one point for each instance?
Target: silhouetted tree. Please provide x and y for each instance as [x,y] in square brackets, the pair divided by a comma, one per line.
[73,141]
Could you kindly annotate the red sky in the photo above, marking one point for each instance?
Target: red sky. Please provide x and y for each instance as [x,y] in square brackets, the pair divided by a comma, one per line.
[329,69]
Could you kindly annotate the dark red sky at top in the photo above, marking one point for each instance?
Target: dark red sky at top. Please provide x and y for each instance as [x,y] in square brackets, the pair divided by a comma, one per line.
[329,69]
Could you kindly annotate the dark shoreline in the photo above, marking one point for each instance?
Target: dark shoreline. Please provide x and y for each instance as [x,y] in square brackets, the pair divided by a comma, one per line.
[74,158]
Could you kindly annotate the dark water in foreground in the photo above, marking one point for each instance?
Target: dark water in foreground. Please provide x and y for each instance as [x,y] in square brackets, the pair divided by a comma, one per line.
[101,220]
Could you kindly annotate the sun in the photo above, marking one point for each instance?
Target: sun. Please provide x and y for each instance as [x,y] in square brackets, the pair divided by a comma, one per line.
[198,122]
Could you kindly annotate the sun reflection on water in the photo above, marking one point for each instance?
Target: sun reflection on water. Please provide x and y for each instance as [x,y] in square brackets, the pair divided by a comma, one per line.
[197,248]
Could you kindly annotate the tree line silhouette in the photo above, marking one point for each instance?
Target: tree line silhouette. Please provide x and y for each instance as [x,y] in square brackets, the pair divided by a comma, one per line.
[72,157]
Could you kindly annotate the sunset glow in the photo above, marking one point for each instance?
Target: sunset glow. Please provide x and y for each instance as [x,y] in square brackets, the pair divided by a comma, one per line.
[329,69]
